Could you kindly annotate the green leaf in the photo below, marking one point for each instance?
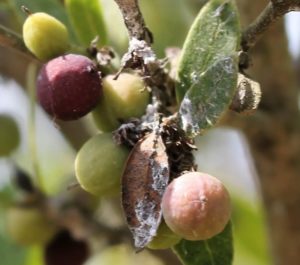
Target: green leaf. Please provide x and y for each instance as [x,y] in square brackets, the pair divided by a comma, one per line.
[215,251]
[209,96]
[215,34]
[87,20]
[250,229]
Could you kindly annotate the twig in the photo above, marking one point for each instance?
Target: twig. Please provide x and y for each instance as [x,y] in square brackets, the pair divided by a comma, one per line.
[141,56]
[273,11]
[10,39]
[134,20]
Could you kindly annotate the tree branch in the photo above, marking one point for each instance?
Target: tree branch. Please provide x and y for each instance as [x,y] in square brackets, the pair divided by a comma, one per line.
[12,40]
[134,20]
[273,11]
[141,56]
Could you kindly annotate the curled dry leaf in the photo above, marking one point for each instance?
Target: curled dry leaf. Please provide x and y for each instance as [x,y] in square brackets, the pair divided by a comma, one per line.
[143,183]
[247,96]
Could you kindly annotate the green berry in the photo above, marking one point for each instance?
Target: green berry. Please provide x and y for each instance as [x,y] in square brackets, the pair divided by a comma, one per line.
[29,226]
[104,119]
[45,36]
[196,206]
[99,165]
[123,255]
[123,98]
[165,238]
[9,135]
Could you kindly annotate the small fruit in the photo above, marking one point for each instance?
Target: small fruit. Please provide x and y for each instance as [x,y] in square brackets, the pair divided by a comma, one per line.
[9,135]
[99,165]
[68,87]
[104,119]
[196,206]
[29,226]
[63,249]
[165,238]
[122,99]
[45,36]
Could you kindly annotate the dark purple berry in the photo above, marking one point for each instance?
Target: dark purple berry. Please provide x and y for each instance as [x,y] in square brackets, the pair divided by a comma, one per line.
[69,86]
[65,250]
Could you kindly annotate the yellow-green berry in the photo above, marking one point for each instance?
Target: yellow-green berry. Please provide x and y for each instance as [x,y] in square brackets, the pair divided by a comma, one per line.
[99,165]
[45,36]
[29,226]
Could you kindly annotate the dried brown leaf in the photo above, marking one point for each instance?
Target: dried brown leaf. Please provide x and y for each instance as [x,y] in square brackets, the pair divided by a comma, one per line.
[143,183]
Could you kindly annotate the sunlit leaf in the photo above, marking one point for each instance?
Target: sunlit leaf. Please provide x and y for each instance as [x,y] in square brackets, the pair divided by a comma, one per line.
[209,96]
[215,251]
[214,35]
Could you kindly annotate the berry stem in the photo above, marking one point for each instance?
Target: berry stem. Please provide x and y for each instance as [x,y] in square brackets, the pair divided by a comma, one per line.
[26,10]
[272,12]
[31,77]
[134,20]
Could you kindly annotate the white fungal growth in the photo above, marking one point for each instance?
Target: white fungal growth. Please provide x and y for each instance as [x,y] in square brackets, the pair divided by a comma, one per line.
[145,215]
[141,49]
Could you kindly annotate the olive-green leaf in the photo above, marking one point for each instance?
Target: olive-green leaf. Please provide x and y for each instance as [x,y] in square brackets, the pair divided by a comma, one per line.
[215,34]
[215,251]
[87,20]
[209,96]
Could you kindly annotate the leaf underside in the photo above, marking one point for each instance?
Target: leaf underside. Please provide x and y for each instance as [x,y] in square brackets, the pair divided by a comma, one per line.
[144,181]
[215,251]
[209,97]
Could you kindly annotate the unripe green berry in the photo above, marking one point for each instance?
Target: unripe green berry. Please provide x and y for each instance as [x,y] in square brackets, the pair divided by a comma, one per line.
[9,135]
[124,98]
[104,119]
[45,36]
[196,206]
[123,255]
[99,165]
[165,238]
[29,226]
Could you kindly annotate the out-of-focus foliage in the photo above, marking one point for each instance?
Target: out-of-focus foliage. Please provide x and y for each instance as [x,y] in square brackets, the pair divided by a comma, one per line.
[87,20]
[250,235]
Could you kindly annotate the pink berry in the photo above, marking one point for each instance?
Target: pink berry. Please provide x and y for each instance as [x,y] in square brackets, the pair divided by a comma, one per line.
[196,206]
[69,86]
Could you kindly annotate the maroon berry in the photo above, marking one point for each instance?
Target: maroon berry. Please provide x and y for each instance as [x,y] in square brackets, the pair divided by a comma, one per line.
[69,86]
[196,206]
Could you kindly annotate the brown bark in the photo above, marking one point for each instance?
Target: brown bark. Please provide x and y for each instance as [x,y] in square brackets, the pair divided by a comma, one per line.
[274,137]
